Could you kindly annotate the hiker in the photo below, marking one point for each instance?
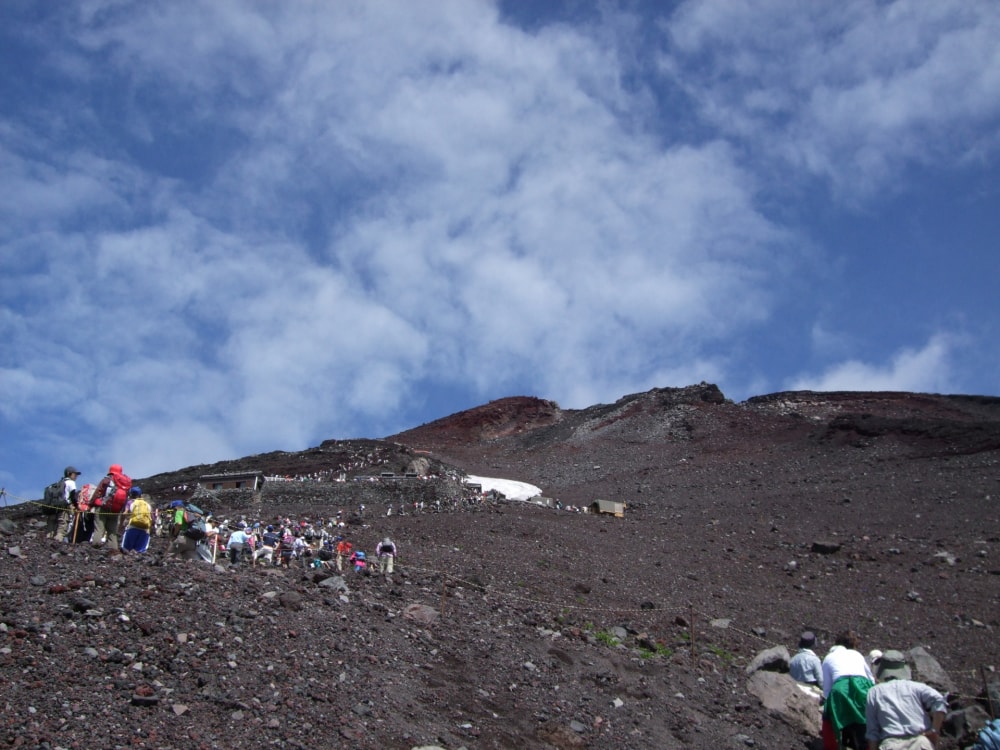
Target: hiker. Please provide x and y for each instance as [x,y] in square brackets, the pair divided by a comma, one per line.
[62,521]
[236,546]
[140,522]
[176,522]
[344,550]
[359,560]
[386,554]
[300,550]
[902,714]
[83,523]
[109,500]
[286,550]
[805,666]
[188,530]
[847,679]
[268,541]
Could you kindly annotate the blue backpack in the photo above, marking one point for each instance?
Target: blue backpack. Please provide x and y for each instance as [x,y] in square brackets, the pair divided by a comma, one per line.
[989,737]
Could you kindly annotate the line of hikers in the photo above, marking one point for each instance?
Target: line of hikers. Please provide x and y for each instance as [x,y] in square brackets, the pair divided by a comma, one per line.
[113,513]
[117,515]
[897,713]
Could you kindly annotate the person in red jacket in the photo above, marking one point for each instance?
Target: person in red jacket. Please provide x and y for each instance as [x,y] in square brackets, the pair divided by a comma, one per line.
[105,520]
[344,550]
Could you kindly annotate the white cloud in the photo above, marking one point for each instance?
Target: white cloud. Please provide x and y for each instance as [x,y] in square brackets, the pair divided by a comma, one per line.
[926,370]
[851,91]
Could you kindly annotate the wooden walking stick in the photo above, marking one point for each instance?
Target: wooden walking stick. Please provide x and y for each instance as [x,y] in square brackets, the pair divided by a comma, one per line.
[76,524]
[989,698]
[691,613]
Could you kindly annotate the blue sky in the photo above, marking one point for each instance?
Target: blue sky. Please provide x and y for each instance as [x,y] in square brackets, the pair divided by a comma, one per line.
[233,227]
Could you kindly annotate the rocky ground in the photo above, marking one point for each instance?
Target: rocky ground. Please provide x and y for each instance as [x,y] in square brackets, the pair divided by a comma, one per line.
[520,626]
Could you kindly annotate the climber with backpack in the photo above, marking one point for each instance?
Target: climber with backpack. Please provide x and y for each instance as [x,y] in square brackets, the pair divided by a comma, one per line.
[386,554]
[59,505]
[188,531]
[109,500]
[140,522]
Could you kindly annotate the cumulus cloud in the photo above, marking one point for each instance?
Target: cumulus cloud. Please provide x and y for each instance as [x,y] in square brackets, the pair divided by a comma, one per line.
[850,92]
[927,370]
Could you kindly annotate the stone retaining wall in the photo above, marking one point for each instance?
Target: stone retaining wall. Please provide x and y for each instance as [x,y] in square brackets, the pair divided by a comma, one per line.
[379,493]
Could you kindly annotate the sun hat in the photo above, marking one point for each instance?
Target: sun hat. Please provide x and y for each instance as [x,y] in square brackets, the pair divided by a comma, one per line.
[807,639]
[892,666]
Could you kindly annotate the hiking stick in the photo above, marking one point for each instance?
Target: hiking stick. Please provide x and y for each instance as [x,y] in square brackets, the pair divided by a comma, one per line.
[989,698]
[76,524]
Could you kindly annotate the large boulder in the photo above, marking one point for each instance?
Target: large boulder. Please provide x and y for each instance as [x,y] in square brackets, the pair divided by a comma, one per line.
[419,466]
[794,703]
[927,669]
[774,659]
[965,724]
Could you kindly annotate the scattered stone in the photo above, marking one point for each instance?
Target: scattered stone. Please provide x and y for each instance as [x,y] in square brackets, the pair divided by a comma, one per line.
[421,613]
[948,557]
[825,547]
[144,695]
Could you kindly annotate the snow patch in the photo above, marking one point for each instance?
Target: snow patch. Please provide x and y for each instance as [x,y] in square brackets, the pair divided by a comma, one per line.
[512,489]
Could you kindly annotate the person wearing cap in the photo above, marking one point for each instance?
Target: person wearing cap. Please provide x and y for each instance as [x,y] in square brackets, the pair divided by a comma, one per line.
[268,543]
[847,678]
[63,522]
[900,713]
[805,666]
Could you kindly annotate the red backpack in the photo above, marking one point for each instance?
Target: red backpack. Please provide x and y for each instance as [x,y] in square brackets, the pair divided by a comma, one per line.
[117,494]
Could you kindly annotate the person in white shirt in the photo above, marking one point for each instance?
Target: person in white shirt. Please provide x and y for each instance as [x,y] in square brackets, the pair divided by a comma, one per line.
[847,679]
[66,517]
[238,542]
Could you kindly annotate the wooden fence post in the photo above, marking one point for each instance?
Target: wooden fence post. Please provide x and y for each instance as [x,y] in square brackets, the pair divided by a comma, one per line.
[691,616]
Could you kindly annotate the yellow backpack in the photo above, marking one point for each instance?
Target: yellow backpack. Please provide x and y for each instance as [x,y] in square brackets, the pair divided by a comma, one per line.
[142,515]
